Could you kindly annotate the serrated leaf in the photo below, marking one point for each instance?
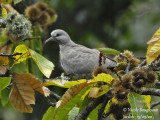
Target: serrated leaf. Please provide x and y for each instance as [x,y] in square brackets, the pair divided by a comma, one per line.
[35,84]
[4,13]
[43,64]
[23,50]
[153,50]
[103,77]
[73,113]
[64,83]
[4,96]
[71,102]
[71,93]
[67,84]
[109,51]
[6,1]
[98,91]
[49,114]
[4,82]
[22,94]
[139,106]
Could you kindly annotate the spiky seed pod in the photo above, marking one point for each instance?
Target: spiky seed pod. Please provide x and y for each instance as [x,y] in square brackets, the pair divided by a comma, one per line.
[121,66]
[117,83]
[42,6]
[32,12]
[126,81]
[17,26]
[139,80]
[117,110]
[120,58]
[129,54]
[50,11]
[120,93]
[44,18]
[134,63]
[151,76]
[100,70]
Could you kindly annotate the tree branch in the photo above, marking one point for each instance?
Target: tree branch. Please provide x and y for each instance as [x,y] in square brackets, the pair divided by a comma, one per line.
[93,104]
[155,104]
[9,55]
[54,95]
[151,91]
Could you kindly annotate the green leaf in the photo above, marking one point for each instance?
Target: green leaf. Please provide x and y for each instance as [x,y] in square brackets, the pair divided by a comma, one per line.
[107,106]
[139,107]
[109,51]
[94,114]
[23,50]
[6,1]
[43,64]
[49,114]
[5,96]
[69,105]
[73,113]
[4,82]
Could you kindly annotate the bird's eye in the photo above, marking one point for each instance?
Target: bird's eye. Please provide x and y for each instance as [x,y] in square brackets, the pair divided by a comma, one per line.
[57,35]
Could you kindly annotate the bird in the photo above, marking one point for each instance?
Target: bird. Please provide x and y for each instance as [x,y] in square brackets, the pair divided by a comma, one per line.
[76,59]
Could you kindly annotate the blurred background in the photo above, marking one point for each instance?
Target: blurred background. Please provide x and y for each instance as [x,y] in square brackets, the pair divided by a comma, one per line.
[118,24]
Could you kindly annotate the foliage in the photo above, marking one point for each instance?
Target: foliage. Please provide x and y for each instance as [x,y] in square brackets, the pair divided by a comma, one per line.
[126,82]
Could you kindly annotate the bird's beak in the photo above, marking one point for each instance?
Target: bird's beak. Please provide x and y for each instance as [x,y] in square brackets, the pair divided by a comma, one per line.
[48,40]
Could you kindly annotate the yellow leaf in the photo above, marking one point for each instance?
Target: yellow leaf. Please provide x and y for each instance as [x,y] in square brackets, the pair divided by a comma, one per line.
[148,100]
[64,83]
[103,77]
[4,13]
[153,50]
[43,64]
[36,84]
[98,91]
[22,94]
[56,82]
[23,50]
[102,90]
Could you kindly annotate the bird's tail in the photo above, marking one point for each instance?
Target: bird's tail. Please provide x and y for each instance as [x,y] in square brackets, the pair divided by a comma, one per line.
[110,63]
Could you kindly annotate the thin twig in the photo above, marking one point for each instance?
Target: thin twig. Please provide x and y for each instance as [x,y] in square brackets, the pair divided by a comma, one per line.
[101,111]
[29,38]
[7,43]
[143,63]
[155,104]
[157,83]
[54,95]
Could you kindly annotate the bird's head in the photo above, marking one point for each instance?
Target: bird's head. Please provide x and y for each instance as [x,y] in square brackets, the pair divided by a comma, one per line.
[59,36]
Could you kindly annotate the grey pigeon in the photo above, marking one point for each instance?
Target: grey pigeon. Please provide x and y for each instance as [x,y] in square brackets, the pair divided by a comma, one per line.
[77,59]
